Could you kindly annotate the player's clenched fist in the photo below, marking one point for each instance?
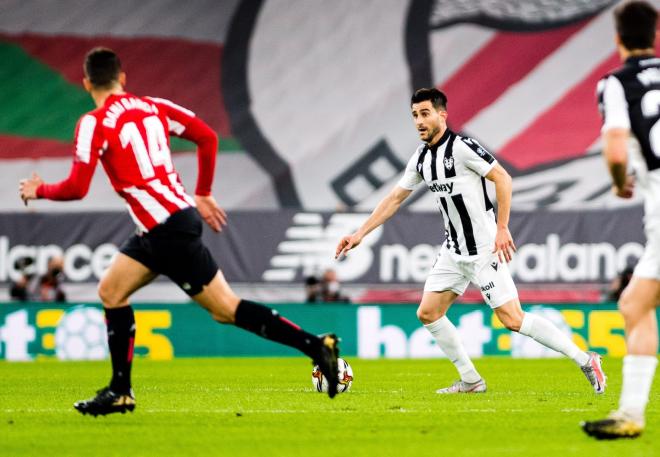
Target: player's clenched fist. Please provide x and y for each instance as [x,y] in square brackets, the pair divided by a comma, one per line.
[347,243]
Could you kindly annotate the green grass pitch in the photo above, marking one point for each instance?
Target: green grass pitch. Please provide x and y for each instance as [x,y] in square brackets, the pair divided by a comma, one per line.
[267,407]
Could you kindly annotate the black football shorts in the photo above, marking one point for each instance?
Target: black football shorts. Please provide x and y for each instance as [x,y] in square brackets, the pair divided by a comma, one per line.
[175,249]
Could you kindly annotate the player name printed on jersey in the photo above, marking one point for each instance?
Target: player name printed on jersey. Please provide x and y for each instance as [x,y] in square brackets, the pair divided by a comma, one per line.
[454,170]
[119,107]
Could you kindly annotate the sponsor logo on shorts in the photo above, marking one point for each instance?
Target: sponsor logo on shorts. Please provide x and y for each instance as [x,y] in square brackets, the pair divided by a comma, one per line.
[489,286]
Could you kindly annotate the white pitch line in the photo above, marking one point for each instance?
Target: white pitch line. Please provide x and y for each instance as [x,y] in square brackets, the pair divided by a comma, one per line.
[291,411]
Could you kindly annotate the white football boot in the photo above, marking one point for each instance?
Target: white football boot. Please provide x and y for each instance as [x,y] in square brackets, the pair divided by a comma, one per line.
[461,387]
[594,373]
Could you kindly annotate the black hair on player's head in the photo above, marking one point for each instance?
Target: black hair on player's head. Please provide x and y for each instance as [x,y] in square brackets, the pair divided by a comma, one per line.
[437,98]
[102,67]
[635,24]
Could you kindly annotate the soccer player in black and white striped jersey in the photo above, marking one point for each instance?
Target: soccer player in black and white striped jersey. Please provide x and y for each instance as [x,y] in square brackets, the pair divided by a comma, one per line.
[477,246]
[629,100]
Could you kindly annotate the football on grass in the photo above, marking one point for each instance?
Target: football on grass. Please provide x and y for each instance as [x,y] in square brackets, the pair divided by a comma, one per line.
[345,377]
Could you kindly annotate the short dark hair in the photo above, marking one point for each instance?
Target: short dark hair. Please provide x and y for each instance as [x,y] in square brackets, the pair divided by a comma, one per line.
[437,98]
[635,24]
[102,67]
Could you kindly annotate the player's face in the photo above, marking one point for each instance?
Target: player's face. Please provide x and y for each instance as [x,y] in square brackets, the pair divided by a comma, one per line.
[430,123]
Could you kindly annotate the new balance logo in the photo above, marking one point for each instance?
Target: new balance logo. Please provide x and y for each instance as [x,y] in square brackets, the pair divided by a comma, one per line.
[494,265]
[309,248]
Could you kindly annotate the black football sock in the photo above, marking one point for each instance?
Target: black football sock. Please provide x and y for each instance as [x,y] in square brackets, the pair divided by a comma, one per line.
[267,323]
[121,338]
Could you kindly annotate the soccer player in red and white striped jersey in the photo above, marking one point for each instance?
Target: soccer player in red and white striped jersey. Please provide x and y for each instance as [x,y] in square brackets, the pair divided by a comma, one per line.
[129,135]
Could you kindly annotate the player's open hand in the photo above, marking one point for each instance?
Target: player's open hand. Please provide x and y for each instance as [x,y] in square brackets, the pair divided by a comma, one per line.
[28,187]
[346,244]
[504,247]
[212,214]
[628,189]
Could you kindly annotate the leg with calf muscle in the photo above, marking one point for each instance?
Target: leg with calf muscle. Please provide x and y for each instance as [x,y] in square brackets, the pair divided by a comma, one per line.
[122,279]
[432,313]
[637,305]
[539,329]
[227,308]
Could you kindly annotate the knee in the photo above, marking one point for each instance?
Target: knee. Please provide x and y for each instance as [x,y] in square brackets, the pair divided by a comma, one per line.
[627,308]
[108,297]
[427,316]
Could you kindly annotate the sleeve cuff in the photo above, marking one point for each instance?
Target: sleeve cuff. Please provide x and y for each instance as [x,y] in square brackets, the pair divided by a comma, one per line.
[489,167]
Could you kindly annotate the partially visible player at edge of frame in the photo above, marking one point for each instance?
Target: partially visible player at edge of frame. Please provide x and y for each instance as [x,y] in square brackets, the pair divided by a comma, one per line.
[476,247]
[129,135]
[629,101]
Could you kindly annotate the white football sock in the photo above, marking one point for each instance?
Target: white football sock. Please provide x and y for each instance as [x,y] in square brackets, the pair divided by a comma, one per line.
[448,340]
[638,371]
[545,332]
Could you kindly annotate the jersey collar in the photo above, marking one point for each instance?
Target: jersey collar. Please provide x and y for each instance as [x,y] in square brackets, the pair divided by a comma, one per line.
[441,141]
[113,97]
[634,60]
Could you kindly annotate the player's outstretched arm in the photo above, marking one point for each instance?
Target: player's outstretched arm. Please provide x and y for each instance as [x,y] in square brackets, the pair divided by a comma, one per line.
[74,187]
[504,246]
[85,157]
[615,151]
[385,209]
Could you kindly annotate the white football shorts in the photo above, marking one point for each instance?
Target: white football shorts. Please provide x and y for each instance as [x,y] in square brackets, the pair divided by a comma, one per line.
[485,271]
[649,264]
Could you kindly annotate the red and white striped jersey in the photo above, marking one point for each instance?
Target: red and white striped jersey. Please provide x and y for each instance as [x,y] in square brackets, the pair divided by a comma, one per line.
[130,135]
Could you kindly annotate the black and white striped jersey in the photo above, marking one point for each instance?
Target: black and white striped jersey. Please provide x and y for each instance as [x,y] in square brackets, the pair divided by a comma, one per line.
[454,171]
[629,98]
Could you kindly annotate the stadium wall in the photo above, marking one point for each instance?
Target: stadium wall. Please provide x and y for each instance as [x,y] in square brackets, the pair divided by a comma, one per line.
[33,331]
[283,247]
